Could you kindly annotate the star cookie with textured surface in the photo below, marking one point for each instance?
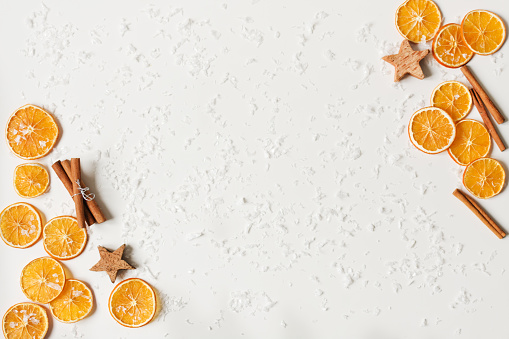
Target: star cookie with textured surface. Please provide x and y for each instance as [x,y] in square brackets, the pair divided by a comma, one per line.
[406,61]
[111,262]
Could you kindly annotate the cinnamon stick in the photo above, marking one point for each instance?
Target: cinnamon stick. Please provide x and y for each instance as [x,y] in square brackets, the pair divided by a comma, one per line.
[92,204]
[487,121]
[480,213]
[77,197]
[64,178]
[484,96]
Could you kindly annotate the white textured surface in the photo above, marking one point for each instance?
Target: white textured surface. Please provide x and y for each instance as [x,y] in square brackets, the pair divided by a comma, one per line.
[254,157]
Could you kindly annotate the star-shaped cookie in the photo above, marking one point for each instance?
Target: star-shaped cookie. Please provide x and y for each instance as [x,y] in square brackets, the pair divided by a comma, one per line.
[111,262]
[406,61]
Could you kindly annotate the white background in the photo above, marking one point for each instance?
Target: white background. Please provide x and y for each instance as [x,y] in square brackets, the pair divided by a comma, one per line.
[253,155]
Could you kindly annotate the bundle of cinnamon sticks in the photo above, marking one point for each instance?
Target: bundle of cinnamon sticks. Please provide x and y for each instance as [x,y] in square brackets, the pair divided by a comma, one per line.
[87,210]
[481,100]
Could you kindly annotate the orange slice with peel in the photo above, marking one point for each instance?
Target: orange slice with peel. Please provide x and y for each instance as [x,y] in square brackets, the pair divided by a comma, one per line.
[484,32]
[431,130]
[31,132]
[25,321]
[74,303]
[20,225]
[63,239]
[30,180]
[42,280]
[484,178]
[454,98]
[449,48]
[471,143]
[418,20]
[133,303]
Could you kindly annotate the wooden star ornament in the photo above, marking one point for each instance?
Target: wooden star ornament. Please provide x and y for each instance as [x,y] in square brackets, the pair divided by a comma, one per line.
[406,61]
[111,262]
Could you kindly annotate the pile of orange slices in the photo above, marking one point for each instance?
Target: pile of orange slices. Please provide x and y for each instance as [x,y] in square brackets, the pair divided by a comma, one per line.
[43,280]
[443,126]
[480,32]
[31,134]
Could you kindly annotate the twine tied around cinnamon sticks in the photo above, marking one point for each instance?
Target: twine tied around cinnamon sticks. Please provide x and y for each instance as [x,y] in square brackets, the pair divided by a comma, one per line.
[87,210]
[83,191]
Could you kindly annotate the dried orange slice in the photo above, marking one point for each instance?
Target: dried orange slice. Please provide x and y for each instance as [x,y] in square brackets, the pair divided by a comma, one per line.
[25,321]
[63,239]
[471,143]
[483,31]
[431,130]
[42,280]
[20,225]
[449,48]
[133,303]
[31,132]
[484,178]
[454,98]
[30,180]
[418,20]
[74,303]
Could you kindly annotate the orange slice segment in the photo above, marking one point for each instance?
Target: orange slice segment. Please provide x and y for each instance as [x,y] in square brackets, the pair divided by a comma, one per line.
[132,303]
[454,98]
[42,280]
[25,321]
[418,20]
[30,180]
[431,130]
[20,225]
[31,132]
[483,31]
[484,178]
[449,47]
[74,303]
[471,143]
[63,239]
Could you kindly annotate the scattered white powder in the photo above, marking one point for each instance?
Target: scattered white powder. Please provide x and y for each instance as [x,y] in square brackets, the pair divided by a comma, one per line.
[268,160]
[253,302]
[465,302]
